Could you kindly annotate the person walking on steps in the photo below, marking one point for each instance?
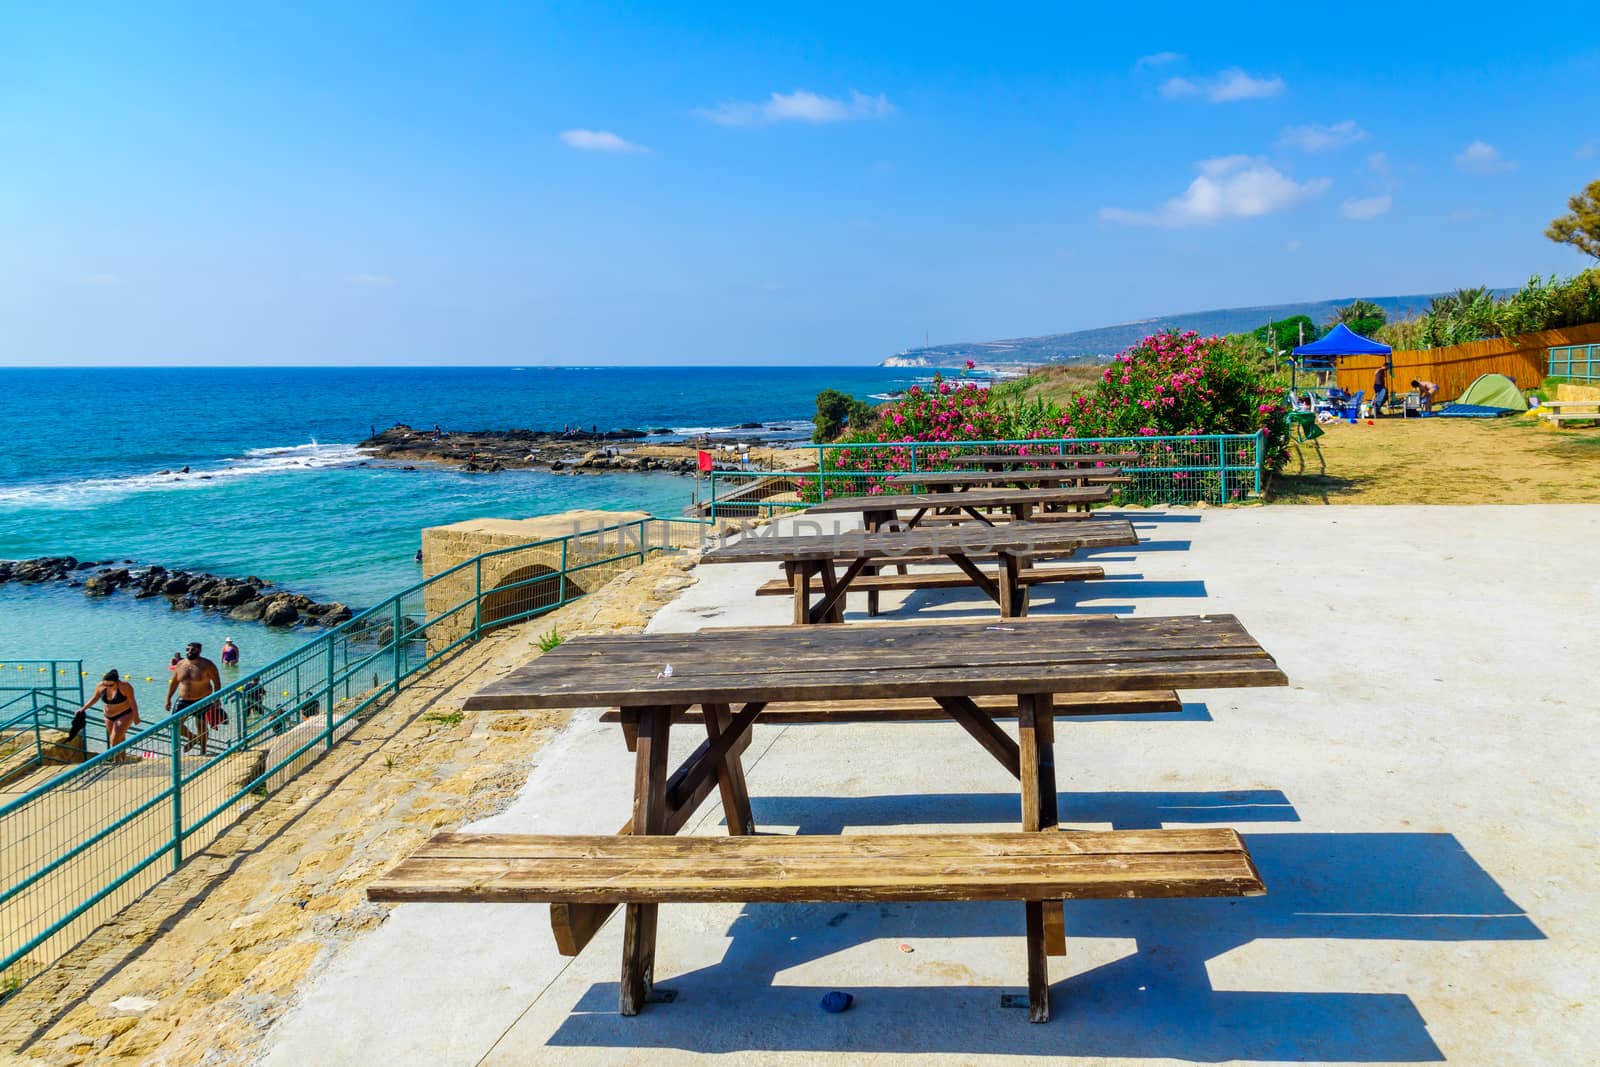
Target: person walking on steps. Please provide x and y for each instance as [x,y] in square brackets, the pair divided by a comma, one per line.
[195,679]
[121,707]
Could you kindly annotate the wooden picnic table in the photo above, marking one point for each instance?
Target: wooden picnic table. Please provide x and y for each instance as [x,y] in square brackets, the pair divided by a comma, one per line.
[959,481]
[734,675]
[1047,459]
[884,508]
[812,556]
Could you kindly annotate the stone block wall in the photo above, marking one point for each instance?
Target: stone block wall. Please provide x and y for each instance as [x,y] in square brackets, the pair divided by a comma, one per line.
[520,575]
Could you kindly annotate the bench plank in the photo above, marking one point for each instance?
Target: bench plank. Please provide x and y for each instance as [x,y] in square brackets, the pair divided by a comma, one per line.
[529,868]
[946,579]
[1152,702]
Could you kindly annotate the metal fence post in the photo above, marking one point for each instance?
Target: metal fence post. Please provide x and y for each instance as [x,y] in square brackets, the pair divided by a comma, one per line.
[1222,469]
[328,700]
[175,744]
[38,741]
[561,589]
[399,649]
[1261,456]
[477,598]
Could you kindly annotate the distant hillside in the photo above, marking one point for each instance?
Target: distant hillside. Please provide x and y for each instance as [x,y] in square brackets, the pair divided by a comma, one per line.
[1105,340]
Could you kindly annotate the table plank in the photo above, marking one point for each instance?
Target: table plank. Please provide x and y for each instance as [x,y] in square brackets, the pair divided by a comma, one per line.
[988,498]
[935,479]
[967,538]
[1002,459]
[900,661]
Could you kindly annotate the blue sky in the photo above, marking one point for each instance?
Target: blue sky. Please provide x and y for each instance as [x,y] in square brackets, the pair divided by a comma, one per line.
[583,183]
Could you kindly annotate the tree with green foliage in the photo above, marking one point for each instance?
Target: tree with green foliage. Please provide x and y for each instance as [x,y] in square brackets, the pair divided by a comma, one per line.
[1362,316]
[835,411]
[1581,229]
[1286,335]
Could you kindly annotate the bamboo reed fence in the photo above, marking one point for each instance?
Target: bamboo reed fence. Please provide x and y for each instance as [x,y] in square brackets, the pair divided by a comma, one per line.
[1520,358]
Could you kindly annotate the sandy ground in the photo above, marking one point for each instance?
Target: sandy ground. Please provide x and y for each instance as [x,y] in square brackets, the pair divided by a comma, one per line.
[1420,802]
[1514,460]
[199,968]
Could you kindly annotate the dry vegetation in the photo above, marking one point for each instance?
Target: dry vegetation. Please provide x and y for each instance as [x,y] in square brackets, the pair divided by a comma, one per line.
[1514,460]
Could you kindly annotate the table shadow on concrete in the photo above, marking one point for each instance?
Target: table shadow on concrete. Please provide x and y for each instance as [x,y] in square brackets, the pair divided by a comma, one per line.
[1154,1002]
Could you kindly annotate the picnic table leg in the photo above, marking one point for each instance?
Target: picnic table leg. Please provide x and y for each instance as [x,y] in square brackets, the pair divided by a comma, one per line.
[649,817]
[1046,925]
[1013,594]
[730,774]
[800,582]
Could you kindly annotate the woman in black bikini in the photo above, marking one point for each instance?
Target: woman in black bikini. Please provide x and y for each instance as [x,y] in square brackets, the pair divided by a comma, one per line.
[122,707]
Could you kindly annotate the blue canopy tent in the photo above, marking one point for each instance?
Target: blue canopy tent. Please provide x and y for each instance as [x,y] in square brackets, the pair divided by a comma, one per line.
[1320,355]
[1343,341]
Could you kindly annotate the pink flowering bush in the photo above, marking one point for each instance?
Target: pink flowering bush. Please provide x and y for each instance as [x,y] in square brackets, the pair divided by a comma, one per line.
[1169,385]
[1173,384]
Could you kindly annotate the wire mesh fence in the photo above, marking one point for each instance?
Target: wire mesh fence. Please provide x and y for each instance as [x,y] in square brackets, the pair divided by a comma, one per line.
[86,828]
[1217,468]
[1577,363]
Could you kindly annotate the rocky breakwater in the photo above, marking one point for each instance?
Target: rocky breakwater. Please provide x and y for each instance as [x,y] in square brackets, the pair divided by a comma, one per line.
[248,599]
[489,451]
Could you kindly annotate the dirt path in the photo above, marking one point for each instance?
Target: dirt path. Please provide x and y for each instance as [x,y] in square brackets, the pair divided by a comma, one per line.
[199,968]
[1514,460]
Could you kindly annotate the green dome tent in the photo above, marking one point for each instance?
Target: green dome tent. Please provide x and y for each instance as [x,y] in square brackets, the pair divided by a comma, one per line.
[1494,391]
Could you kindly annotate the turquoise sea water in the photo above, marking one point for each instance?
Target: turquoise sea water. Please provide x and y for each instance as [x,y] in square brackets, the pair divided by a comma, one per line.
[275,489]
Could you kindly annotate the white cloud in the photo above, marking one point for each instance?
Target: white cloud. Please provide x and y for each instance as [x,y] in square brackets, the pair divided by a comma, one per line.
[1237,85]
[1587,150]
[799,106]
[1379,163]
[1229,187]
[1482,158]
[1293,244]
[1225,88]
[599,141]
[375,281]
[1315,138]
[1157,59]
[1368,207]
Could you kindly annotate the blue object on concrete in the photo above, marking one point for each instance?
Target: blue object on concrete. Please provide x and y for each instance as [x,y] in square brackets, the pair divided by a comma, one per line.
[835,1002]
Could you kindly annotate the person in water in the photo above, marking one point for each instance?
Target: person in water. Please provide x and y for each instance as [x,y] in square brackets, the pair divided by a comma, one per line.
[230,653]
[195,679]
[121,707]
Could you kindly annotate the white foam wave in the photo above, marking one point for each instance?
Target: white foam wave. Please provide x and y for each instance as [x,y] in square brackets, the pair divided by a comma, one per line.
[254,463]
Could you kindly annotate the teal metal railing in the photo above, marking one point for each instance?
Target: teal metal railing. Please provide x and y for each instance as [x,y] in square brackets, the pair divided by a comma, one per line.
[79,847]
[1577,363]
[29,705]
[1168,470]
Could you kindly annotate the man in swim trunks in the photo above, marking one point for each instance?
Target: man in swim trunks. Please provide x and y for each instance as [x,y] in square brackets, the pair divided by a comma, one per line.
[195,679]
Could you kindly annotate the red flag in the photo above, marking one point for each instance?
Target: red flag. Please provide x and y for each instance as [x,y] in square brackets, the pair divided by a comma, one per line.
[705,460]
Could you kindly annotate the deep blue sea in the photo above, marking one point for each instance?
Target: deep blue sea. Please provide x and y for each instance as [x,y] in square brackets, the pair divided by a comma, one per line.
[275,488]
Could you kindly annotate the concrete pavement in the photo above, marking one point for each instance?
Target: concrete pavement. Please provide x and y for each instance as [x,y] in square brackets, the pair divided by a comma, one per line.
[1419,800]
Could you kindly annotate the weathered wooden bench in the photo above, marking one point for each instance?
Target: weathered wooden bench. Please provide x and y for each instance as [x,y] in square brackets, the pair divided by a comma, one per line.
[873,584]
[649,870]
[924,709]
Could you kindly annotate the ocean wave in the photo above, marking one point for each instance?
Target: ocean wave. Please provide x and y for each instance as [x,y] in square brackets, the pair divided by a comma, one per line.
[767,429]
[255,462]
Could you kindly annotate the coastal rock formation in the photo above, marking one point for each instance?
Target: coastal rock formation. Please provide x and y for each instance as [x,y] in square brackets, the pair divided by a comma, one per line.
[490,451]
[242,599]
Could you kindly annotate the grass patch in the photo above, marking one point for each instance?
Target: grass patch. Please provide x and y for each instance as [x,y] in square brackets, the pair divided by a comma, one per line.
[550,640]
[445,718]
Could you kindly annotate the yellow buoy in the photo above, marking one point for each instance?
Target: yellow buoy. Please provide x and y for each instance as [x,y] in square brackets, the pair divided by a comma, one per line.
[148,678]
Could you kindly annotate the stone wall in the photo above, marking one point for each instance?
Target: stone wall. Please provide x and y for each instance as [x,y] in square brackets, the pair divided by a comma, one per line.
[526,578]
[1571,391]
